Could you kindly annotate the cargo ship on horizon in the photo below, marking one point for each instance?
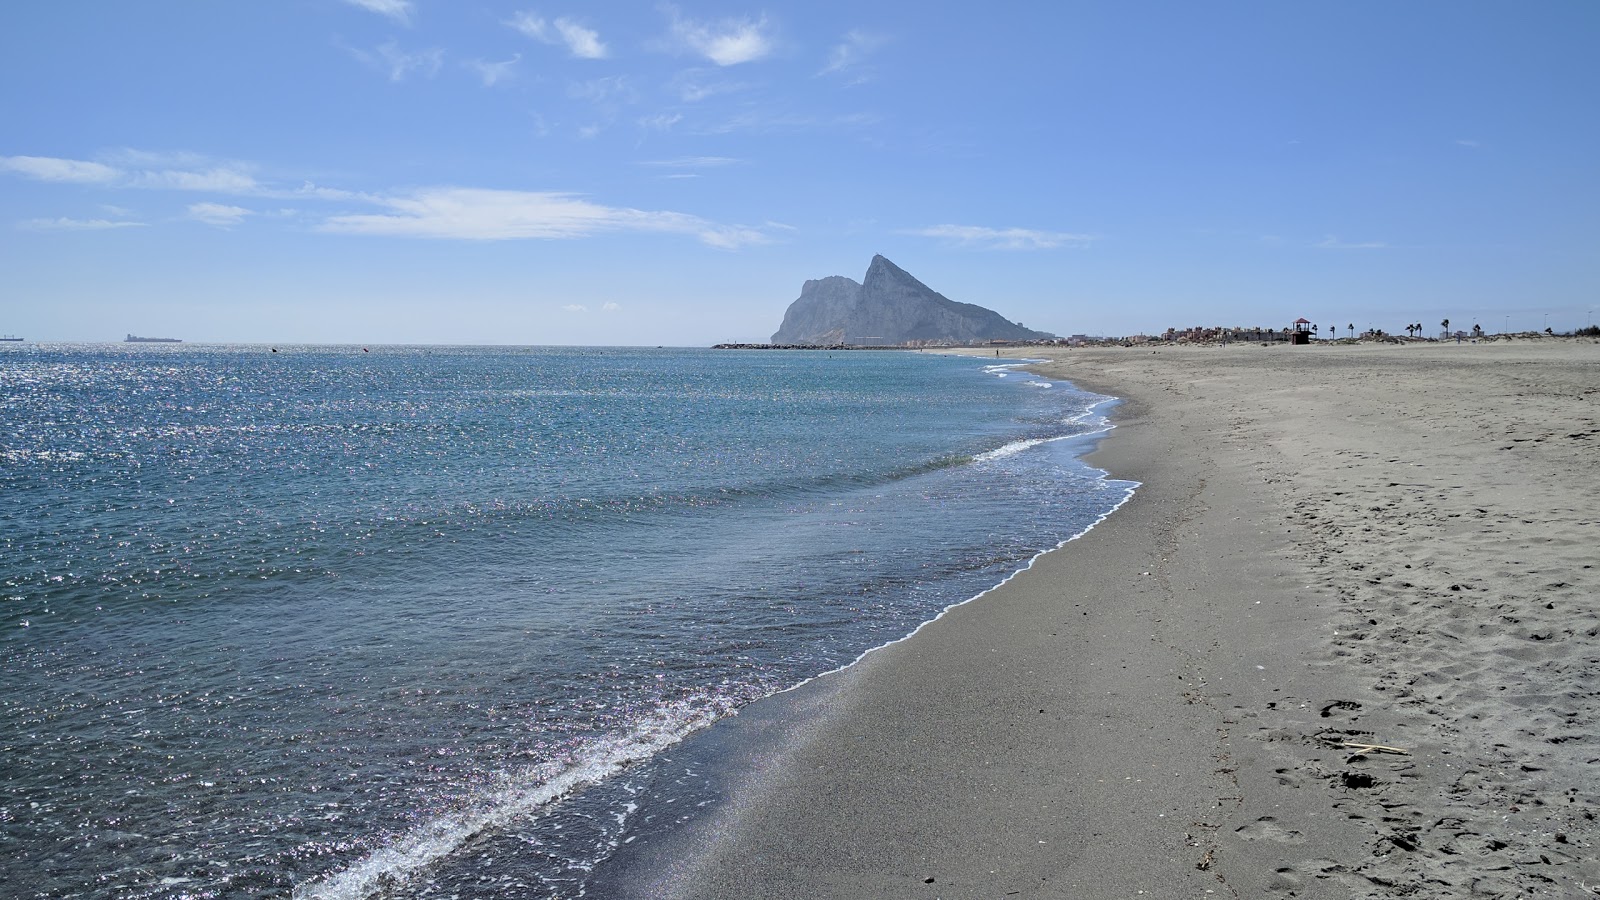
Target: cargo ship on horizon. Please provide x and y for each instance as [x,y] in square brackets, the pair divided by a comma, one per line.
[135,339]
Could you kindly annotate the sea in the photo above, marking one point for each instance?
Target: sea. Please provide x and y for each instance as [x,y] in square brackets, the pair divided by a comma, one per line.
[328,621]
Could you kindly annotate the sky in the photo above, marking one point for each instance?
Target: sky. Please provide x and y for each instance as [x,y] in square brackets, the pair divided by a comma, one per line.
[607,173]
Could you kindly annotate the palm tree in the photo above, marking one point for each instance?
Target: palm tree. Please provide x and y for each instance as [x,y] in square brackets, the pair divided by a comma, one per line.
[1446,325]
[1352,327]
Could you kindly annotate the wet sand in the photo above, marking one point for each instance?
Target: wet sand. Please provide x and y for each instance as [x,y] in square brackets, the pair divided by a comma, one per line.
[1334,546]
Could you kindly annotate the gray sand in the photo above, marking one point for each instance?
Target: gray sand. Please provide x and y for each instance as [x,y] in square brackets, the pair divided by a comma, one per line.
[1379,545]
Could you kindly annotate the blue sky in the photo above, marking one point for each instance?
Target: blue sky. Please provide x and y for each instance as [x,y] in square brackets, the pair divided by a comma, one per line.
[475,171]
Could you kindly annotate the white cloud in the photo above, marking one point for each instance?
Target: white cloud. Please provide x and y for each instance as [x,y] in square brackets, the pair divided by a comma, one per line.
[49,168]
[221,180]
[492,73]
[399,64]
[1004,238]
[496,215]
[218,214]
[398,10]
[1332,242]
[1466,142]
[610,307]
[65,224]
[850,52]
[532,26]
[726,42]
[575,307]
[732,237]
[307,189]
[203,175]
[581,42]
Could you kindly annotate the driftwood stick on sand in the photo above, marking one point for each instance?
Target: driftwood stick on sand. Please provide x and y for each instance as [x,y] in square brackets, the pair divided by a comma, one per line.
[1375,748]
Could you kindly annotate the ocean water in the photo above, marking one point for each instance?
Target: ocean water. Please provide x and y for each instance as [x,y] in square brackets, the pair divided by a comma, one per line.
[329,621]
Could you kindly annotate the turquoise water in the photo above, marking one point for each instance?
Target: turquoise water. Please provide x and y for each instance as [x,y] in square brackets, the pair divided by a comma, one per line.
[314,621]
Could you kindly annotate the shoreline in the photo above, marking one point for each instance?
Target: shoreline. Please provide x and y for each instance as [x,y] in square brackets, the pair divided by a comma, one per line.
[1157,706]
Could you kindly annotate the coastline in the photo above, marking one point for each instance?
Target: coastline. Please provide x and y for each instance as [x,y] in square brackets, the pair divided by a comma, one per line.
[1158,706]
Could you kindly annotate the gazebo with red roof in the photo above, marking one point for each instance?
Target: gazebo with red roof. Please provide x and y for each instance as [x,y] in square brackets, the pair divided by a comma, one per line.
[1301,333]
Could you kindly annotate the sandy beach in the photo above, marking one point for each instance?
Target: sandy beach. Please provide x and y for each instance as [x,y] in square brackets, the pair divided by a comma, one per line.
[1342,643]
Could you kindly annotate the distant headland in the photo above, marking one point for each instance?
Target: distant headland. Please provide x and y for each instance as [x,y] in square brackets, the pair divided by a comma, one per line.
[890,308]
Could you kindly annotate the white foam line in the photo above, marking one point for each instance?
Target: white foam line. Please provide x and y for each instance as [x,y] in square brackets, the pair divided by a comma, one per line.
[1016,447]
[395,864]
[1011,449]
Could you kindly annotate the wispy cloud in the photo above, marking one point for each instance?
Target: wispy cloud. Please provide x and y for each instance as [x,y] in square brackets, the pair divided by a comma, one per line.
[694,85]
[761,121]
[497,215]
[398,10]
[576,308]
[219,214]
[726,42]
[399,64]
[492,73]
[1332,242]
[851,52]
[48,168]
[1466,142]
[692,162]
[307,189]
[66,224]
[141,170]
[444,213]
[608,90]
[582,42]
[660,121]
[215,180]
[1004,238]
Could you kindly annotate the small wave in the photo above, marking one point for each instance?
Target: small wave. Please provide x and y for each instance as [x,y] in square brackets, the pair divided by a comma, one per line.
[1011,449]
[517,796]
[1095,411]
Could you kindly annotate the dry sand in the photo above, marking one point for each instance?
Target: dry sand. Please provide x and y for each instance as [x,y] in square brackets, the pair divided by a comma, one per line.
[1390,545]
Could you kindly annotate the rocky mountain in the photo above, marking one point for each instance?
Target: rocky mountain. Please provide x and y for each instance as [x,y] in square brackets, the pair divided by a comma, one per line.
[890,308]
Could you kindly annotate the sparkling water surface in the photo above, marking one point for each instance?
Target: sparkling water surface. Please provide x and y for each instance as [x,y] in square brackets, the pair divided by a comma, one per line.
[316,621]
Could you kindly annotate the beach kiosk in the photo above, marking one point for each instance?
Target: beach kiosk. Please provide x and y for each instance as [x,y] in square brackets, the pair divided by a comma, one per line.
[1301,332]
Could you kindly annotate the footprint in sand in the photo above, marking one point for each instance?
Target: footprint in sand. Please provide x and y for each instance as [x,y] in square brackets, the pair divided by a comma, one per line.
[1267,828]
